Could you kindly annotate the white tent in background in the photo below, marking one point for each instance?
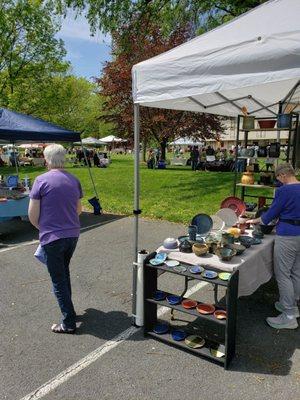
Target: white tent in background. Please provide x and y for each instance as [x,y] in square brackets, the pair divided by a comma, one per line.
[186,141]
[112,139]
[91,141]
[252,61]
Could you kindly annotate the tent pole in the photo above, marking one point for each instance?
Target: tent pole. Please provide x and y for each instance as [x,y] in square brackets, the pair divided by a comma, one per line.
[136,210]
[16,163]
[90,173]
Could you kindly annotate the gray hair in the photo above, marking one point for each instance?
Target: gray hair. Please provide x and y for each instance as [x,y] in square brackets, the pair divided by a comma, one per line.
[55,156]
[285,169]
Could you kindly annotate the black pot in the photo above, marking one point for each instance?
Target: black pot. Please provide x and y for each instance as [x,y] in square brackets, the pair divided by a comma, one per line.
[185,247]
[262,152]
[274,151]
[266,229]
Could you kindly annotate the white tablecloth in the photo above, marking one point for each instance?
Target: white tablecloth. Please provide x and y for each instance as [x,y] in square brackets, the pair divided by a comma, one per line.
[255,265]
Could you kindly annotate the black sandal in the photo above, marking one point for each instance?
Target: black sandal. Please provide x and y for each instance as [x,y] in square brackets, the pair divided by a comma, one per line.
[58,328]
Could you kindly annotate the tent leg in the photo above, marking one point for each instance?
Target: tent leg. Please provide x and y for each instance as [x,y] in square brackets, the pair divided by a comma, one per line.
[136,210]
[89,169]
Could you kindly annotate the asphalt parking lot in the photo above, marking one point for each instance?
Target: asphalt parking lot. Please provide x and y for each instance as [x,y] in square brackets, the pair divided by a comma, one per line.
[108,358]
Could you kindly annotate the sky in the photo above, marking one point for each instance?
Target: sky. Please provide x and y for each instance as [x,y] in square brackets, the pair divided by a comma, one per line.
[86,53]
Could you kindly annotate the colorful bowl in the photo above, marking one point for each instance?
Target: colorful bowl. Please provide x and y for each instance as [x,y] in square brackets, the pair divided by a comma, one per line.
[204,308]
[170,243]
[173,299]
[196,269]
[159,295]
[178,335]
[189,304]
[160,329]
[220,314]
[239,248]
[224,276]
[208,274]
[194,341]
[225,253]
[200,249]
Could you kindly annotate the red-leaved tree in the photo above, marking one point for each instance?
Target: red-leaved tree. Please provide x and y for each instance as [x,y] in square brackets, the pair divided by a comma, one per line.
[116,85]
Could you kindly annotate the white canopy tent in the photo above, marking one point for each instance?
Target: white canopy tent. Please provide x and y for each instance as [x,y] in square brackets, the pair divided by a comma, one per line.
[91,141]
[112,139]
[186,141]
[253,61]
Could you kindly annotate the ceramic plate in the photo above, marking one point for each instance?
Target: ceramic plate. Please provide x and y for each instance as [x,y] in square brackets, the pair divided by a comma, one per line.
[224,276]
[220,314]
[209,274]
[219,352]
[205,308]
[228,216]
[161,328]
[180,268]
[161,257]
[178,335]
[235,204]
[154,262]
[159,295]
[188,304]
[196,269]
[203,222]
[218,223]
[194,341]
[173,300]
[172,263]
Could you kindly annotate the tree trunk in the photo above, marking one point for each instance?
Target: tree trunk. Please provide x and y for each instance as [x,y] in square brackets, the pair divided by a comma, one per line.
[163,147]
[144,149]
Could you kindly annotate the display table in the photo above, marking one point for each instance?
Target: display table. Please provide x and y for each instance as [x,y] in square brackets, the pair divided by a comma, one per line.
[255,265]
[14,208]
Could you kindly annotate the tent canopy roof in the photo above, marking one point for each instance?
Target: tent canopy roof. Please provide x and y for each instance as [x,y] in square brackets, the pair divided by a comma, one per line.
[111,139]
[15,127]
[254,61]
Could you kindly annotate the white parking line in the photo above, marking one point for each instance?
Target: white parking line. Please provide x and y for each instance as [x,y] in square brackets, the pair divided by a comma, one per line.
[74,369]
[37,241]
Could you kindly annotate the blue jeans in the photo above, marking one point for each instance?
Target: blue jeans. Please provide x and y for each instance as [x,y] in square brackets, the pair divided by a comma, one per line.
[59,254]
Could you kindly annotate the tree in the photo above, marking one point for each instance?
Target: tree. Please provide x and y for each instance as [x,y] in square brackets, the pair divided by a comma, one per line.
[109,15]
[28,46]
[116,83]
[63,99]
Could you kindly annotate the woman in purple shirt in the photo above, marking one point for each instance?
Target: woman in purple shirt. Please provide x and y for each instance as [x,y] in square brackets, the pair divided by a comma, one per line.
[54,210]
[286,208]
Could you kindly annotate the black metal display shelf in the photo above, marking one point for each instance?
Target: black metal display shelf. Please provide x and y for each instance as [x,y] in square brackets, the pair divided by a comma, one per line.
[203,351]
[213,330]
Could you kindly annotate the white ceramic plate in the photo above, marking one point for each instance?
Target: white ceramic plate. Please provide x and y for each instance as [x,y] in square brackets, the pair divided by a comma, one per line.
[228,216]
[172,263]
[218,223]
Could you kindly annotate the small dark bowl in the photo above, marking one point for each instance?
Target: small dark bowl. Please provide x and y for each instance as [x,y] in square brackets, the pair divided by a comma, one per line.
[258,234]
[246,241]
[239,248]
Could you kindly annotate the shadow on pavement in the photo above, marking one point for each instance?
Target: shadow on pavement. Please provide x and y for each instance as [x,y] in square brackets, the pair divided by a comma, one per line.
[16,231]
[103,325]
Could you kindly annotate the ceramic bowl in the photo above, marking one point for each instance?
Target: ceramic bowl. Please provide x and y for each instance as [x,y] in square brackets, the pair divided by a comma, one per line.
[194,341]
[159,295]
[185,247]
[204,308]
[209,274]
[246,241]
[225,253]
[257,234]
[200,249]
[189,304]
[196,269]
[267,229]
[220,314]
[178,335]
[224,276]
[170,243]
[239,248]
[161,328]
[173,299]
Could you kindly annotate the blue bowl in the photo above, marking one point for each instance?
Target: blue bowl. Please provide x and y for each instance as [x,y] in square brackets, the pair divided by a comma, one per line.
[159,295]
[160,329]
[173,299]
[178,335]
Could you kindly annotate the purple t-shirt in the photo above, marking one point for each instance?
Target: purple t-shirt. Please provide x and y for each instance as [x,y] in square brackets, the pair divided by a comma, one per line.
[58,192]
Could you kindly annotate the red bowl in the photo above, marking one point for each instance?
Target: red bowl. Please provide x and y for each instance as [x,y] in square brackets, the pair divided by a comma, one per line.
[205,308]
[189,303]
[266,123]
[220,314]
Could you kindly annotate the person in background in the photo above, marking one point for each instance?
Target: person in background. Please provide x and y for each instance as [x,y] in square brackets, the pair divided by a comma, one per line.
[285,208]
[96,159]
[54,208]
[150,159]
[194,157]
[210,151]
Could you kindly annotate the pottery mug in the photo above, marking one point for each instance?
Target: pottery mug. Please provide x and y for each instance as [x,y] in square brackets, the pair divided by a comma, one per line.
[192,230]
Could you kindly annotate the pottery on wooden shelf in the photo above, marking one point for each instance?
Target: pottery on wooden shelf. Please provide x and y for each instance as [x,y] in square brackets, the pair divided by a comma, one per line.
[248,178]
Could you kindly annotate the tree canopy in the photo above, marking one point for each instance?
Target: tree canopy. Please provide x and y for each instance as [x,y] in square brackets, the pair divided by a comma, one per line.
[116,83]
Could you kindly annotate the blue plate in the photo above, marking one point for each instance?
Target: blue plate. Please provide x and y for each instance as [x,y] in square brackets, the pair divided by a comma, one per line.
[173,300]
[161,257]
[154,262]
[178,335]
[256,240]
[209,274]
[196,269]
[161,329]
[203,222]
[159,295]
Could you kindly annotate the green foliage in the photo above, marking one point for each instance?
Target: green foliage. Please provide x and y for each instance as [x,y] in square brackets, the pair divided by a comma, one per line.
[28,46]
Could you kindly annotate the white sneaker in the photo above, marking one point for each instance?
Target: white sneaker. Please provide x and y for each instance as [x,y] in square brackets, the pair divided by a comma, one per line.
[279,307]
[283,322]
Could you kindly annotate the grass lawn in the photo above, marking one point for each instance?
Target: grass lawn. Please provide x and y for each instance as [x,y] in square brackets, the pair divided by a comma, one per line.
[175,194]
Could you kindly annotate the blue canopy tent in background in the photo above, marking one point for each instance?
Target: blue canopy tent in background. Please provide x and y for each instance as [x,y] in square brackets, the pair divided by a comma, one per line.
[16,127]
